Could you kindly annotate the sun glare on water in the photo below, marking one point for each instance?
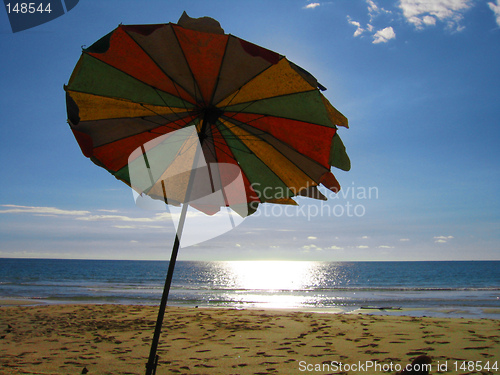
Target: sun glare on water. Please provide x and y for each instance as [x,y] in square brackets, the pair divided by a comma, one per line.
[271,275]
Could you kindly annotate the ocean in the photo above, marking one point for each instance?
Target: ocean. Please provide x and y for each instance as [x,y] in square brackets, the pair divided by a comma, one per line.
[456,289]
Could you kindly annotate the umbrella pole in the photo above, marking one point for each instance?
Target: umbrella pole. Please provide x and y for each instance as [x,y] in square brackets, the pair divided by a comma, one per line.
[153,358]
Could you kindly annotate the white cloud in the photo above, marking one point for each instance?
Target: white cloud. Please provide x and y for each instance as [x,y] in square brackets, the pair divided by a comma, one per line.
[429,21]
[372,7]
[381,36]
[404,239]
[359,29]
[15,209]
[312,5]
[496,10]
[363,247]
[312,247]
[442,239]
[312,238]
[335,248]
[384,35]
[374,10]
[422,13]
[385,247]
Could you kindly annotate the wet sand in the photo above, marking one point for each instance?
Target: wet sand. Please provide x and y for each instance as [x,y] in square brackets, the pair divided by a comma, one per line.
[115,339]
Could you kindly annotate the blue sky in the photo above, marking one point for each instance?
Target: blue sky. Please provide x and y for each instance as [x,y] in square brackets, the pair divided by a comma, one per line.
[418,80]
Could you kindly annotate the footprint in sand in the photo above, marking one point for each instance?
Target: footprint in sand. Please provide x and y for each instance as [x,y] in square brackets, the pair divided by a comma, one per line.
[204,365]
[375,352]
[486,355]
[477,348]
[415,353]
[392,359]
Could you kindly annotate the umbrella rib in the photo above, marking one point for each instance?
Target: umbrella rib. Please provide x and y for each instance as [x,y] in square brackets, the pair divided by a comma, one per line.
[238,90]
[156,89]
[271,171]
[196,89]
[248,104]
[257,133]
[228,153]
[222,141]
[162,124]
[234,125]
[166,104]
[176,84]
[236,148]
[148,131]
[218,74]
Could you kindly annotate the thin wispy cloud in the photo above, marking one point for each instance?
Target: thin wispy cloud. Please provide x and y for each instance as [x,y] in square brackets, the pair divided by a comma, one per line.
[335,248]
[16,209]
[496,10]
[83,215]
[156,218]
[422,13]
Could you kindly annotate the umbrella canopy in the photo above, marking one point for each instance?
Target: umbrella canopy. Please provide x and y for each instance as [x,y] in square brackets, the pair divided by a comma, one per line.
[182,111]
[252,107]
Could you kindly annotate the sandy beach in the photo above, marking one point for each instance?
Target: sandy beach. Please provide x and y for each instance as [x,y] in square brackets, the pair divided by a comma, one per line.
[115,339]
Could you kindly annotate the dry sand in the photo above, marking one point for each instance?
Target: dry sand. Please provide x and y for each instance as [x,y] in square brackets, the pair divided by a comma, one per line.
[115,339]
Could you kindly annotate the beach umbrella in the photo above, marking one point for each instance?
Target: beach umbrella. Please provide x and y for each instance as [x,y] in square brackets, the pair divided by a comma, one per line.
[186,114]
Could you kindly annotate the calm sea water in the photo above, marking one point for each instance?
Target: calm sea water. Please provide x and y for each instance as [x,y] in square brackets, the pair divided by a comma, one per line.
[468,289]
